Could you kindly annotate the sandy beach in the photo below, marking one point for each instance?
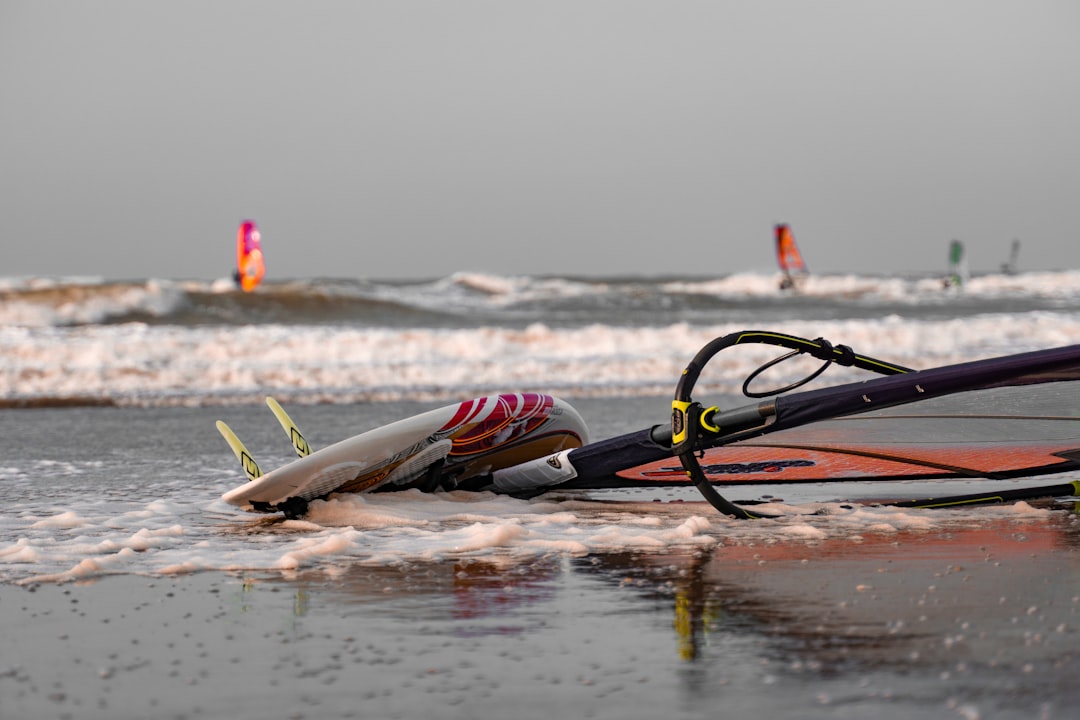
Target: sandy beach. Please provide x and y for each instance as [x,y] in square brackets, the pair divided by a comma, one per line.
[975,623]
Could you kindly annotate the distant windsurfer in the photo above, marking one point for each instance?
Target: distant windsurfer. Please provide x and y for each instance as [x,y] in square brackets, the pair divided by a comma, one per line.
[958,272]
[250,267]
[1010,267]
[789,258]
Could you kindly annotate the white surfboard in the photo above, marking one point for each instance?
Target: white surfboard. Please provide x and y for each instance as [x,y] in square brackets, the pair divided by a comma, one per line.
[460,441]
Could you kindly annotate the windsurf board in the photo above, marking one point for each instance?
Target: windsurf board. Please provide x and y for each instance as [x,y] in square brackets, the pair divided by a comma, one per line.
[459,441]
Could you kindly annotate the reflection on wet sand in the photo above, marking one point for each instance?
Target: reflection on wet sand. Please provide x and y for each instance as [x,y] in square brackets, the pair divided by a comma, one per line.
[819,605]
[837,599]
[921,609]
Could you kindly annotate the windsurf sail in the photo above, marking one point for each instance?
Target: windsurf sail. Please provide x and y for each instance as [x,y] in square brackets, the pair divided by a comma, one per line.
[1005,417]
[1010,266]
[788,257]
[958,270]
[250,267]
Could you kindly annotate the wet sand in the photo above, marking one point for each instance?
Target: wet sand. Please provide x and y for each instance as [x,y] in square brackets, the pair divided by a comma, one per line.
[971,623]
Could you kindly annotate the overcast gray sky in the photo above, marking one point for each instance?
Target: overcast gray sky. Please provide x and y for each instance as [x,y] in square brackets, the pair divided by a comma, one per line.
[416,138]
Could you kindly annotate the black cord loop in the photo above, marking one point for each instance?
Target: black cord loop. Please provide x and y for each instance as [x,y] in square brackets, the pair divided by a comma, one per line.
[693,428]
[776,391]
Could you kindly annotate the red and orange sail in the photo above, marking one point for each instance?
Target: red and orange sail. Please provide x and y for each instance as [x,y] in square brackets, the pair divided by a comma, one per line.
[249,256]
[788,257]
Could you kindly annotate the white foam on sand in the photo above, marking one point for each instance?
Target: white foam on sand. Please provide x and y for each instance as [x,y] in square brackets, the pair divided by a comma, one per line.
[391,529]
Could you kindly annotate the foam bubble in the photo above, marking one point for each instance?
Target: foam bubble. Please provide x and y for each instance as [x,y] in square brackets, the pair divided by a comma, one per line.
[69,519]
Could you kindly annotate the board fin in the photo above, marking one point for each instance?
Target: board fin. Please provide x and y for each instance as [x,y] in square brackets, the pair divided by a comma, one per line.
[251,468]
[299,442]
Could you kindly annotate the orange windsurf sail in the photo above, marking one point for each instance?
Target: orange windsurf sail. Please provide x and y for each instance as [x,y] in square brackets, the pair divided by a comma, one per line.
[788,257]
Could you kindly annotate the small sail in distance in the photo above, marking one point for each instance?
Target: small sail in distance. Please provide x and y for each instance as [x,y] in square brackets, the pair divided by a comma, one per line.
[789,259]
[958,269]
[250,267]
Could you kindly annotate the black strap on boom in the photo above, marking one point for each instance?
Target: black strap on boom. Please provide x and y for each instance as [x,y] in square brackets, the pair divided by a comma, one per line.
[694,428]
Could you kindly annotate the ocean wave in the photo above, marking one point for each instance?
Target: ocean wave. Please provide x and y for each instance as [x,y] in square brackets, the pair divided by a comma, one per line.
[41,303]
[143,364]
[1054,288]
[192,303]
[477,299]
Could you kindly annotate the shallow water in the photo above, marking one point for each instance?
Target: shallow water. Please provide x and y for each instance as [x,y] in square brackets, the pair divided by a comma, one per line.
[921,626]
[100,491]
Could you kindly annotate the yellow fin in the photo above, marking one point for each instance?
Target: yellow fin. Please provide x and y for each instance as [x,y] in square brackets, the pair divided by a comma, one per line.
[299,442]
[251,468]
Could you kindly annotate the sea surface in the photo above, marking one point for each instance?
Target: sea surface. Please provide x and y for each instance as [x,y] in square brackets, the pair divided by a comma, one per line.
[112,471]
[166,342]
